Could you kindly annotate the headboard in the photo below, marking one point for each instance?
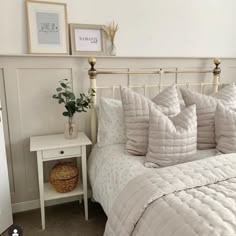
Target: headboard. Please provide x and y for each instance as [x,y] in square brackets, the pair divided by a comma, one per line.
[94,74]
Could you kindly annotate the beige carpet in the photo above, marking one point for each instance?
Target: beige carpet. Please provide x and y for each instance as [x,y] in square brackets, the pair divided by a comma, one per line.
[63,220]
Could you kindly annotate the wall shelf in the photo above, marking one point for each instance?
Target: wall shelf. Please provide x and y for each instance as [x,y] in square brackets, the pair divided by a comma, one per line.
[105,57]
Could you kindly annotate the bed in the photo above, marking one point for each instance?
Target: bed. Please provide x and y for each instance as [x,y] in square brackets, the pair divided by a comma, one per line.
[193,198]
[111,169]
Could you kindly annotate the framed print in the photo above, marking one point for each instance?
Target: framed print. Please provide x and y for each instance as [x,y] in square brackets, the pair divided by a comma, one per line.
[47,27]
[87,39]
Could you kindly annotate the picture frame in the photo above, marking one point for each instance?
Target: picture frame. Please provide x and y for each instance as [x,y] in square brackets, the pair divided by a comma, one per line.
[47,27]
[86,39]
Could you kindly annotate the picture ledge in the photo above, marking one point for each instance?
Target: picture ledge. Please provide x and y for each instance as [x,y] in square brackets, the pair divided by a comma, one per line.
[110,57]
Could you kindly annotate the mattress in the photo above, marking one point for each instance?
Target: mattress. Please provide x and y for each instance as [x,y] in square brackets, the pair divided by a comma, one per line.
[110,169]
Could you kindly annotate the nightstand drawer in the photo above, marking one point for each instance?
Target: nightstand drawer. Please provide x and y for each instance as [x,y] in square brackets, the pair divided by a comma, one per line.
[61,152]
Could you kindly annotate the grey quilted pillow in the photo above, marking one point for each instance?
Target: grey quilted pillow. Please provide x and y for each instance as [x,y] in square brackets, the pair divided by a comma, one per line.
[225,121]
[206,108]
[171,140]
[136,115]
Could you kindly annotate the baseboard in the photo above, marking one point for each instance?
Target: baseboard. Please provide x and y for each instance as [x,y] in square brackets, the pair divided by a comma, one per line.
[35,204]
[25,206]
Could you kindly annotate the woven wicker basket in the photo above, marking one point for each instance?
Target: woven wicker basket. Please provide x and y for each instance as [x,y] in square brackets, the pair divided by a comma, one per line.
[64,177]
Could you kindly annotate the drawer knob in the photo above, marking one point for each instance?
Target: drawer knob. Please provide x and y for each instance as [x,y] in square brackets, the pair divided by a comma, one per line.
[61,152]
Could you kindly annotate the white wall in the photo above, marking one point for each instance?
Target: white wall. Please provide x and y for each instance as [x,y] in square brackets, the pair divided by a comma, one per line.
[183,28]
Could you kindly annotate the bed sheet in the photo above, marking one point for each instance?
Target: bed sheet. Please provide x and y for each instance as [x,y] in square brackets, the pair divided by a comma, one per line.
[110,169]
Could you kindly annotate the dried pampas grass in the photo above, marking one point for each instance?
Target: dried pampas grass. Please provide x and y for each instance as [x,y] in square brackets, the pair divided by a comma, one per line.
[110,31]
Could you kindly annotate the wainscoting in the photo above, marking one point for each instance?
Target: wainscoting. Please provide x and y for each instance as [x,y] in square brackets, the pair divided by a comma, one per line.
[26,87]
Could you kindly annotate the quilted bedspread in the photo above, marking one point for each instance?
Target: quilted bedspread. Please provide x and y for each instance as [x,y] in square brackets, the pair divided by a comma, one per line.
[195,198]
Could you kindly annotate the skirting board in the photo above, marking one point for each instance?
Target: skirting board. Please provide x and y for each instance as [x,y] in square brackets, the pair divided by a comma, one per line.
[35,204]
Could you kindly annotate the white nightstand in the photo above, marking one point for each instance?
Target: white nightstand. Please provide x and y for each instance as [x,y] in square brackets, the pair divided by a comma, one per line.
[56,147]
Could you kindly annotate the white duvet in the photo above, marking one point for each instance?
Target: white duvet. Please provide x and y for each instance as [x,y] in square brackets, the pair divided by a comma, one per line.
[191,199]
[110,169]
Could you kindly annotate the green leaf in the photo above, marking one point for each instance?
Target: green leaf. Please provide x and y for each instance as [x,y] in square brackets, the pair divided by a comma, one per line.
[65,113]
[61,101]
[54,96]
[65,94]
[63,85]
[72,96]
[71,108]
[59,89]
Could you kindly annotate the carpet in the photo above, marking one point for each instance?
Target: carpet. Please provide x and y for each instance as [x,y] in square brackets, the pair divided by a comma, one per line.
[63,220]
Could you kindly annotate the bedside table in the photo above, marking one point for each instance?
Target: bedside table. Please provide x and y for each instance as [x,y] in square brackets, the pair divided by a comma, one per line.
[56,147]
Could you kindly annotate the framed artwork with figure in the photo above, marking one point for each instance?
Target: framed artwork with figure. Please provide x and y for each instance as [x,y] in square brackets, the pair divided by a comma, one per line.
[47,27]
[87,39]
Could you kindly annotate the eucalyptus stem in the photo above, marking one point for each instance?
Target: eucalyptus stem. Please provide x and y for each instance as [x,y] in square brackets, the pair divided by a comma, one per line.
[70,125]
[72,104]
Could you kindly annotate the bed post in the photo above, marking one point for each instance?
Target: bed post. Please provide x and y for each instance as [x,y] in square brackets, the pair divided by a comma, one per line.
[92,77]
[216,75]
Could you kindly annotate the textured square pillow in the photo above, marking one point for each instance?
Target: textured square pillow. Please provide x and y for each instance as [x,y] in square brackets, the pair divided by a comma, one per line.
[206,108]
[171,140]
[136,115]
[110,122]
[225,129]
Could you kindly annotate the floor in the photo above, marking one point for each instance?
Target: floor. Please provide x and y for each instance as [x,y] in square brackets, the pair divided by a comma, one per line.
[63,220]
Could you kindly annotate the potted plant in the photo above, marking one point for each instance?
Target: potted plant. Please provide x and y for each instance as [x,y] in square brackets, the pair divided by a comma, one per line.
[72,105]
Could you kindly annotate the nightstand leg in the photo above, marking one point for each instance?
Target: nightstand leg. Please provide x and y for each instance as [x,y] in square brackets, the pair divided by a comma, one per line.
[85,189]
[41,187]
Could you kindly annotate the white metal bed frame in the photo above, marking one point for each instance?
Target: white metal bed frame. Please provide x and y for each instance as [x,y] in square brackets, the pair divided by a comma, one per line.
[93,73]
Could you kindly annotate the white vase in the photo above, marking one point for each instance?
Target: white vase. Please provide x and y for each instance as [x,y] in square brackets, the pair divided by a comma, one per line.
[71,129]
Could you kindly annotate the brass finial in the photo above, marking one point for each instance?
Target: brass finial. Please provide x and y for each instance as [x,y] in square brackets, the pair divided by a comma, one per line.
[92,61]
[217,61]
[92,72]
[217,69]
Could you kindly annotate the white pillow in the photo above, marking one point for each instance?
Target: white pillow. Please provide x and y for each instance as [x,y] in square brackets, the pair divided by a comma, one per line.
[206,108]
[110,122]
[171,140]
[136,115]
[225,127]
